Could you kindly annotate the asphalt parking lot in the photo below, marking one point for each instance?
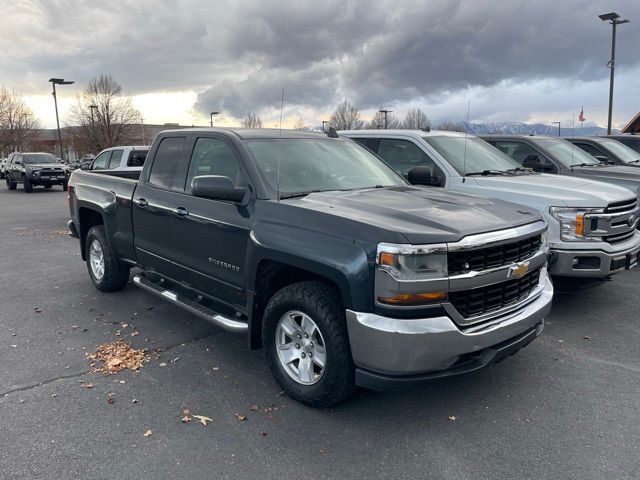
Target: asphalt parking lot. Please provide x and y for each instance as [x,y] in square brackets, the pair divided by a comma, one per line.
[567,406]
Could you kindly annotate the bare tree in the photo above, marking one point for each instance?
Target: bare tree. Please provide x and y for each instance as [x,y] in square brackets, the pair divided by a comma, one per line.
[103,116]
[18,124]
[252,121]
[450,126]
[346,117]
[377,122]
[300,125]
[416,119]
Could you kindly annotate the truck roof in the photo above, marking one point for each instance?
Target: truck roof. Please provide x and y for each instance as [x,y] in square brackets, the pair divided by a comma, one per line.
[245,133]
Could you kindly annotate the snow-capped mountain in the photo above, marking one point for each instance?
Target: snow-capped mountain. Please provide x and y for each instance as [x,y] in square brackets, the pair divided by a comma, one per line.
[520,128]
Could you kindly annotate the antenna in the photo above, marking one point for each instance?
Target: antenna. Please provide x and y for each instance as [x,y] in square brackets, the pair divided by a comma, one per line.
[466,128]
[280,150]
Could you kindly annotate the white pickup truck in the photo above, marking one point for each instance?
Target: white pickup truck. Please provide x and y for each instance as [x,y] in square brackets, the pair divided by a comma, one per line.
[592,225]
[129,158]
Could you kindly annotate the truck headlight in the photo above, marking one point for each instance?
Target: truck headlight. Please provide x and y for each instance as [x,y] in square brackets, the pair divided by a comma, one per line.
[411,262]
[572,222]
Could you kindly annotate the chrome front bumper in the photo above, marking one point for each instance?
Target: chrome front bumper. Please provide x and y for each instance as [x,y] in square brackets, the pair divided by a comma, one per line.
[405,347]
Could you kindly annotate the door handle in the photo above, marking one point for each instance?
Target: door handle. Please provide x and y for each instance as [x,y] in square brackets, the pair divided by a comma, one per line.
[181,212]
[141,202]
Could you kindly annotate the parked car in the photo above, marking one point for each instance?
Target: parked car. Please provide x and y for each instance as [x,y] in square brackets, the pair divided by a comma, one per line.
[585,239]
[35,169]
[315,249]
[631,140]
[607,150]
[119,158]
[558,156]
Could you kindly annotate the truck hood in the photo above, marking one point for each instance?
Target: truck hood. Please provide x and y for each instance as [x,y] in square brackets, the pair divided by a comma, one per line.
[45,165]
[609,173]
[420,214]
[552,190]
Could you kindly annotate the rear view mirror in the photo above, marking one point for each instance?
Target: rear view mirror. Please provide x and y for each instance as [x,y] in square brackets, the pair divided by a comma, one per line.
[423,176]
[217,187]
[85,166]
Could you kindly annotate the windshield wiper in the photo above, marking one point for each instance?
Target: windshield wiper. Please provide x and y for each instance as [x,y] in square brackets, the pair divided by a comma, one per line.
[583,164]
[299,194]
[634,161]
[488,172]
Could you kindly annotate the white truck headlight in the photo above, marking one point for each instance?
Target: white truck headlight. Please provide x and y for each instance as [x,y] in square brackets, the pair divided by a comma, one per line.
[411,262]
[572,222]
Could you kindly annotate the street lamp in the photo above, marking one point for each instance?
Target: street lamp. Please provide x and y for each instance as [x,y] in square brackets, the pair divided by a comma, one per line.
[385,112]
[212,114]
[324,122]
[54,82]
[614,19]
[554,123]
[93,107]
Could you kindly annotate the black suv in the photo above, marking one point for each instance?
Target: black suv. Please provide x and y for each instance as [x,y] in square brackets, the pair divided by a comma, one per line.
[32,169]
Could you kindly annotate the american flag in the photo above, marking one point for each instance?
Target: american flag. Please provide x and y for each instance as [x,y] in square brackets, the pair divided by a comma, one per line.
[581,116]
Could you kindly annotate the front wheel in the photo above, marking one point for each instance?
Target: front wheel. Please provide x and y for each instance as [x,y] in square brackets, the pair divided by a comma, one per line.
[26,184]
[306,342]
[106,271]
[65,186]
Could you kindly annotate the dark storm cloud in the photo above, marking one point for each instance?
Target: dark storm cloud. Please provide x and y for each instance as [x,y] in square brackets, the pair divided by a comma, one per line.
[241,54]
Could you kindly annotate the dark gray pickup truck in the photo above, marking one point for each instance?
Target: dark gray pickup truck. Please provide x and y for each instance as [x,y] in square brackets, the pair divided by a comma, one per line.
[320,253]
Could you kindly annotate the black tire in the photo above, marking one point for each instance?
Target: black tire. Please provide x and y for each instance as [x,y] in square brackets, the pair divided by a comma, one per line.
[116,274]
[65,186]
[323,304]
[26,184]
[10,185]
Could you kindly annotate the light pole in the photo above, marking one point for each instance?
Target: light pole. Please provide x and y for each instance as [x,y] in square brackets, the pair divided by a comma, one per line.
[614,19]
[558,127]
[324,122]
[212,114]
[385,112]
[54,82]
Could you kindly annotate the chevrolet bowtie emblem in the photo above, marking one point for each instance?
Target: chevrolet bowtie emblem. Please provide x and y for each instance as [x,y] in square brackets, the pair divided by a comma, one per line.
[518,270]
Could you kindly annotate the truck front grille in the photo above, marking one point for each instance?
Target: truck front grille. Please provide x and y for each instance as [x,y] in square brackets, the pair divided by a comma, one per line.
[463,261]
[478,301]
[623,206]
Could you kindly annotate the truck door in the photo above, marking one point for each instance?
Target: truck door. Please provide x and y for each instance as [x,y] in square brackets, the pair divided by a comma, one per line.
[212,235]
[153,204]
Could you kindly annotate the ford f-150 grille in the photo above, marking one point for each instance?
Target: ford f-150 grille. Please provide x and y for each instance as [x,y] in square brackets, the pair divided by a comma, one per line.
[618,222]
[478,301]
[625,205]
[463,261]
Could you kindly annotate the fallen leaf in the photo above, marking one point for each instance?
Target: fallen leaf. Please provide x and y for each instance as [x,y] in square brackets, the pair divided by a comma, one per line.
[322,451]
[202,419]
[162,364]
[37,310]
[186,419]
[116,356]
[148,433]
[135,400]
[263,433]
[587,337]
[135,334]
[255,408]
[453,418]
[111,400]
[240,418]
[88,385]
[215,369]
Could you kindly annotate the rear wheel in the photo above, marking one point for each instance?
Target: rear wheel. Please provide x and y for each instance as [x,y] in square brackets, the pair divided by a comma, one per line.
[10,185]
[106,272]
[26,184]
[307,345]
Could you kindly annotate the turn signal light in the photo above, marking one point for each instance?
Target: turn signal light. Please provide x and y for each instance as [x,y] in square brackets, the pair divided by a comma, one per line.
[579,224]
[387,258]
[414,298]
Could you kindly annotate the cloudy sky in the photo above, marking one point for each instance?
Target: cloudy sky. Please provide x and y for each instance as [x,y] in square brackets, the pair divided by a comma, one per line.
[531,60]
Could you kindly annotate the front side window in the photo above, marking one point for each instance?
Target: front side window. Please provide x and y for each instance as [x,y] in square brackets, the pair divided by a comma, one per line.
[116,156]
[403,155]
[309,164]
[470,154]
[101,161]
[626,154]
[212,156]
[590,149]
[632,143]
[137,158]
[169,171]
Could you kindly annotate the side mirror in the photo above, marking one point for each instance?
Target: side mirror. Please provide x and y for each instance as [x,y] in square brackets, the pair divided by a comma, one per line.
[422,176]
[85,166]
[17,162]
[601,158]
[534,162]
[217,187]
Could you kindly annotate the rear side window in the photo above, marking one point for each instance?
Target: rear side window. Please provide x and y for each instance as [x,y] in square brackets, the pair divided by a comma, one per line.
[116,156]
[590,149]
[137,158]
[516,150]
[169,171]
[212,156]
[101,161]
[370,143]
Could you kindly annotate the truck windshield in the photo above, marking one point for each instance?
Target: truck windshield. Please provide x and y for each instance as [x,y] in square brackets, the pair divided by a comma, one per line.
[626,154]
[480,156]
[36,158]
[310,165]
[566,152]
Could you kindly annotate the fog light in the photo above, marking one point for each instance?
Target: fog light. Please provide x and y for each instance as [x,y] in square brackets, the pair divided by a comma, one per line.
[414,298]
